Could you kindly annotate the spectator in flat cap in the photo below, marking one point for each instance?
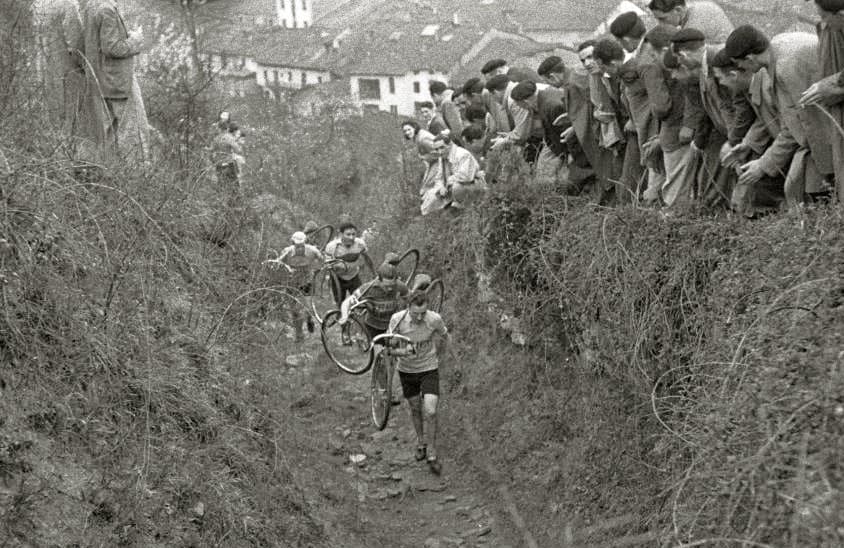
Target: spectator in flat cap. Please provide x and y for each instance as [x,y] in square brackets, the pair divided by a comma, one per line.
[527,129]
[829,90]
[473,90]
[494,67]
[544,103]
[666,96]
[646,127]
[442,96]
[628,29]
[709,113]
[791,59]
[706,16]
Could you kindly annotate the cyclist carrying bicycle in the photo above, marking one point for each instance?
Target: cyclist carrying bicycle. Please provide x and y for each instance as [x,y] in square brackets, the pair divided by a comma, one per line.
[301,260]
[418,368]
[349,249]
[385,295]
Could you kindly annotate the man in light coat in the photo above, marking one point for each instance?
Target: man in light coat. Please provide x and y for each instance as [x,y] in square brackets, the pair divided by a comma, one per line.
[110,50]
[799,151]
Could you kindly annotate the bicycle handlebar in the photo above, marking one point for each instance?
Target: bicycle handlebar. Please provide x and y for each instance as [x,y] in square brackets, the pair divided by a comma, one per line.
[391,336]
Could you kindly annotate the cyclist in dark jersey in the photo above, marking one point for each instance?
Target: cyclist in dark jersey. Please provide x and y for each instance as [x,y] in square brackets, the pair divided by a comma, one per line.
[385,295]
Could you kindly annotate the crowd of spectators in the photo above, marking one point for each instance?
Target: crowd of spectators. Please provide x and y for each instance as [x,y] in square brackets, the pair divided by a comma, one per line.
[693,112]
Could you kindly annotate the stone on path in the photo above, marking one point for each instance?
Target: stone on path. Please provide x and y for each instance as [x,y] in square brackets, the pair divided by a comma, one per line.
[450,498]
[299,360]
[432,543]
[358,459]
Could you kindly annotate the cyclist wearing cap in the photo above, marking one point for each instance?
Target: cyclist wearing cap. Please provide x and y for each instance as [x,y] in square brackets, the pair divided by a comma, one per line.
[419,370]
[385,295]
[300,259]
[349,249]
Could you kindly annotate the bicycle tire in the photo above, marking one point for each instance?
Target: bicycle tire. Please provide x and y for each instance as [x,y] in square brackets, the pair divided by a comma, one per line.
[321,243]
[355,359]
[414,254]
[380,394]
[321,289]
[436,295]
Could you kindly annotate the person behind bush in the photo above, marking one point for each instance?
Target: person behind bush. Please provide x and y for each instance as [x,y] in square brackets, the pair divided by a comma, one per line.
[228,153]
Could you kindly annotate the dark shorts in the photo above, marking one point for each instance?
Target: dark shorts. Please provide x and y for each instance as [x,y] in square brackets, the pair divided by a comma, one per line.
[347,287]
[413,384]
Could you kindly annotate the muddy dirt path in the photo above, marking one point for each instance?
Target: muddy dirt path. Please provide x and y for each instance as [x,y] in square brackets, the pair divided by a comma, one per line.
[370,489]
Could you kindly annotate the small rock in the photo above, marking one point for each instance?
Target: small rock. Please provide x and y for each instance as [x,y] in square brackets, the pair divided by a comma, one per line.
[477,515]
[383,477]
[432,543]
[395,491]
[298,360]
[450,498]
[199,509]
[485,530]
[347,432]
[395,476]
[462,511]
[380,495]
[358,459]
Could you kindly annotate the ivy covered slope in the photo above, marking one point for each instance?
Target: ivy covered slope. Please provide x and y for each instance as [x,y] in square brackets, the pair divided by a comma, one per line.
[689,371]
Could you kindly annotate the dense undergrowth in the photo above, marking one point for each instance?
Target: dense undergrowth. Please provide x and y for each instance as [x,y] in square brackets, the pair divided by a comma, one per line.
[688,370]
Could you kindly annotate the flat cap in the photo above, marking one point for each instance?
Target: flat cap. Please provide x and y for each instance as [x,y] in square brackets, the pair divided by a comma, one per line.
[523,90]
[547,64]
[498,82]
[627,24]
[660,36]
[687,35]
[473,86]
[517,74]
[745,40]
[491,65]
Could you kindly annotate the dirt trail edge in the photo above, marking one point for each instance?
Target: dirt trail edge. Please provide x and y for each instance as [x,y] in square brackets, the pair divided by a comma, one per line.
[369,483]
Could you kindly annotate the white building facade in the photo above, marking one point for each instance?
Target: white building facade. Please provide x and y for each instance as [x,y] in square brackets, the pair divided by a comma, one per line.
[399,94]
[294,14]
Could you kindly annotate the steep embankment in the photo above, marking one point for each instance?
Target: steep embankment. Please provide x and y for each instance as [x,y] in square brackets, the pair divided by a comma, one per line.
[683,374]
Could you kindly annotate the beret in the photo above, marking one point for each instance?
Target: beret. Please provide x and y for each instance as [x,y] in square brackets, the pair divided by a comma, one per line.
[607,50]
[684,36]
[627,24]
[473,86]
[523,90]
[517,74]
[722,60]
[670,60]
[831,6]
[547,64]
[490,66]
[665,5]
[435,86]
[660,36]
[498,82]
[745,40]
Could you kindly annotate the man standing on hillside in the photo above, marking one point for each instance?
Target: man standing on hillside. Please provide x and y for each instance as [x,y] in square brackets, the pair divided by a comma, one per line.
[545,103]
[441,95]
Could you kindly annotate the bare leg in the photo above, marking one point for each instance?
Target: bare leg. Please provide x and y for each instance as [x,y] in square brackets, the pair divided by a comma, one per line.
[430,407]
[415,404]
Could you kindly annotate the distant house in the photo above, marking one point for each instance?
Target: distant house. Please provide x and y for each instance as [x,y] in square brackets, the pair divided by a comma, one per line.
[289,14]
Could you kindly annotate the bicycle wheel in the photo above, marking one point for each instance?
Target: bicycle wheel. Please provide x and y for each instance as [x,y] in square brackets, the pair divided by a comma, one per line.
[381,391]
[347,346]
[436,294]
[322,290]
[321,236]
[408,263]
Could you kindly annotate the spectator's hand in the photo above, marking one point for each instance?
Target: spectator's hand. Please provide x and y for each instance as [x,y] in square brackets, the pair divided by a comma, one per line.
[694,151]
[750,173]
[686,135]
[603,116]
[497,142]
[735,156]
[825,91]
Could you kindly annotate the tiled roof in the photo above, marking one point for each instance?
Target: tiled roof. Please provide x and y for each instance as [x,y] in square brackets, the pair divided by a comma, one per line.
[302,48]
[508,47]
